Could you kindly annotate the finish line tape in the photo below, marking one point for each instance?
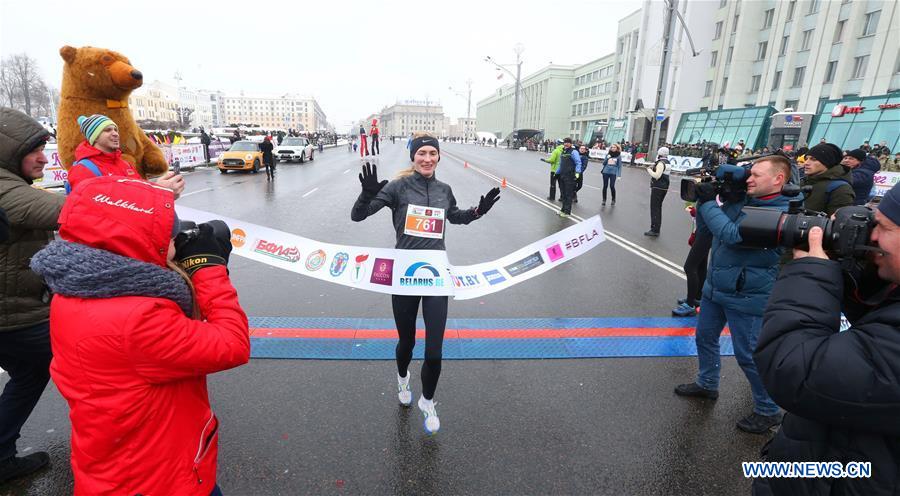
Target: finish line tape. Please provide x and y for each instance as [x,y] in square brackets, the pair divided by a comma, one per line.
[403,272]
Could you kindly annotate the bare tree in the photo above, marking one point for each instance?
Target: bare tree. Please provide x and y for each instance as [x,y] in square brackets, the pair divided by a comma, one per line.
[22,86]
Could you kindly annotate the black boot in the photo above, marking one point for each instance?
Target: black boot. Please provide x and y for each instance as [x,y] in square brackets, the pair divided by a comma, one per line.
[15,467]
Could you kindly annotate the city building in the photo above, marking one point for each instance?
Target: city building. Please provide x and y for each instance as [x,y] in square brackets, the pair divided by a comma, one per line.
[411,116]
[591,97]
[276,112]
[464,129]
[638,58]
[544,102]
[810,56]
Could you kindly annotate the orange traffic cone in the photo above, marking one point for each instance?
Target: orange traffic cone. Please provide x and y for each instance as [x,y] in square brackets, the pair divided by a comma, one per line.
[503,184]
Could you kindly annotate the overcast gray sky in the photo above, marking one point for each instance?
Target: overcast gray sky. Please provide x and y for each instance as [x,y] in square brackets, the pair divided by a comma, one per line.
[354,57]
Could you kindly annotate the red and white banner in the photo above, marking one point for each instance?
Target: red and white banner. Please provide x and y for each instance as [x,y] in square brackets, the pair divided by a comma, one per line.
[403,272]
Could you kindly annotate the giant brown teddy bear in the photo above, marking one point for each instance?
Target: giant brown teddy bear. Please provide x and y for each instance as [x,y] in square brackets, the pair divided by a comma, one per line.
[98,81]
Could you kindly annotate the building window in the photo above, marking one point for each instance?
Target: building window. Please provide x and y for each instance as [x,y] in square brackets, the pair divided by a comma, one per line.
[792,104]
[729,54]
[798,76]
[871,23]
[714,57]
[718,31]
[724,85]
[761,50]
[574,95]
[708,90]
[784,43]
[807,39]
[723,3]
[777,80]
[593,90]
[767,20]
[813,7]
[829,72]
[790,12]
[754,83]
[839,31]
[574,107]
[735,23]
[859,67]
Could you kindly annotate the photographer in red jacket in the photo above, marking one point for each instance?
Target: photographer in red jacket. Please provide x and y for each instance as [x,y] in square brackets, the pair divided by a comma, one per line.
[134,337]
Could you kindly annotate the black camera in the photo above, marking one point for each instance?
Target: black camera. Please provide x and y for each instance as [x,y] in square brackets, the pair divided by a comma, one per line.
[189,230]
[845,237]
[729,180]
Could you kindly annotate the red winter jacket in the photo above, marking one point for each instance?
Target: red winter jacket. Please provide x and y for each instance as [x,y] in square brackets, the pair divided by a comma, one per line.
[133,368]
[110,164]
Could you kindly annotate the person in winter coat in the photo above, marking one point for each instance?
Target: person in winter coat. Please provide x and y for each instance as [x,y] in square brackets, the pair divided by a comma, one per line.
[4,226]
[583,154]
[100,153]
[659,186]
[832,183]
[569,172]
[612,170]
[376,137]
[24,301]
[134,338]
[841,389]
[417,186]
[553,160]
[205,141]
[268,157]
[738,284]
[862,170]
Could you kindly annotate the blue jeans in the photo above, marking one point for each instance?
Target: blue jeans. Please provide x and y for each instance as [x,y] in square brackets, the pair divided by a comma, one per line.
[744,334]
[216,491]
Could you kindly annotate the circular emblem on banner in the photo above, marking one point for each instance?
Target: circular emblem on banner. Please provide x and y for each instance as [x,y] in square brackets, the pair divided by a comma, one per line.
[339,264]
[315,260]
[238,238]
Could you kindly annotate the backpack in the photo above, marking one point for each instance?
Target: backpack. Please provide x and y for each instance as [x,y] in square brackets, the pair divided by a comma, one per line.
[833,185]
[90,166]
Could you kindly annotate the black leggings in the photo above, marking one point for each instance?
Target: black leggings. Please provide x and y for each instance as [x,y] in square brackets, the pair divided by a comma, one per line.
[376,148]
[610,181]
[695,266]
[434,312]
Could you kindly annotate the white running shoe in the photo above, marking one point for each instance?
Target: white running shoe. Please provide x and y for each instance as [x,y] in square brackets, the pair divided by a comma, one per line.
[432,422]
[403,392]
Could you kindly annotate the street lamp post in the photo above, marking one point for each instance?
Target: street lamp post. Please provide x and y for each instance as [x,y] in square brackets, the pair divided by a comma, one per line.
[663,75]
[519,48]
[468,97]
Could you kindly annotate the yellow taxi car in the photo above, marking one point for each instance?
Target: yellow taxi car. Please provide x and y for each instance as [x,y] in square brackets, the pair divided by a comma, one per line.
[243,155]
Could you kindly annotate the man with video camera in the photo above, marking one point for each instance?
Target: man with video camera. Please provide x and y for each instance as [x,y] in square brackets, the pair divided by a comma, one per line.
[738,282]
[841,389]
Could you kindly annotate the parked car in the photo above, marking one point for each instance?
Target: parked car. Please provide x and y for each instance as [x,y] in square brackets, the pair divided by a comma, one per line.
[294,148]
[243,155]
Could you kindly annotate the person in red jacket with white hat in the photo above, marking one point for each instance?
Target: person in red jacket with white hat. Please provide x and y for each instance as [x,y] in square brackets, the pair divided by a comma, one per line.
[134,337]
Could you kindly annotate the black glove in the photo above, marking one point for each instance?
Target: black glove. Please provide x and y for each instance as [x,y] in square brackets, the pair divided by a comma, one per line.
[369,180]
[487,201]
[201,248]
[706,191]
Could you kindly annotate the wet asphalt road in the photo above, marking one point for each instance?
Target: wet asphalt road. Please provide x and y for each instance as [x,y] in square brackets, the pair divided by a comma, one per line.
[583,426]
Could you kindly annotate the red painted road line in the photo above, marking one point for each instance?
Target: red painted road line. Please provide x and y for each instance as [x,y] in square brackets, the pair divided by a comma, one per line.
[478,333]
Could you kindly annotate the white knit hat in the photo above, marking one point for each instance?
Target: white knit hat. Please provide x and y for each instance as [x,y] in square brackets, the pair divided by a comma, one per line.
[662,152]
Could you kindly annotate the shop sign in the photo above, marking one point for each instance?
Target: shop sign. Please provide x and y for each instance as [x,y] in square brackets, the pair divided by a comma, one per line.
[841,110]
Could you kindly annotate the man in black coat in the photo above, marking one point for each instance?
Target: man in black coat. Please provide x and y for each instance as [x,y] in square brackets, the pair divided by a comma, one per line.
[205,141]
[841,389]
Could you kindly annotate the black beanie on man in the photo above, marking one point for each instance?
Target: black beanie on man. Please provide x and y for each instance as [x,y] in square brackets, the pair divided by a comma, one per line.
[857,154]
[423,141]
[827,153]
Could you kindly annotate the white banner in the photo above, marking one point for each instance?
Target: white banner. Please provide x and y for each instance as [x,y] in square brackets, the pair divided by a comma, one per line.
[403,272]
[599,154]
[884,181]
[681,164]
[186,154]
[54,173]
